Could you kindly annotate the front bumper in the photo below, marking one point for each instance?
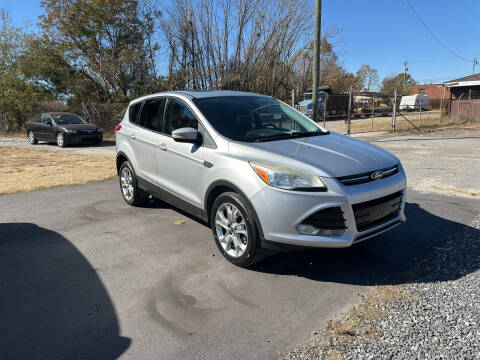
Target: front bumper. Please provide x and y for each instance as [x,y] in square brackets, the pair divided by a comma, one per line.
[279,211]
[83,138]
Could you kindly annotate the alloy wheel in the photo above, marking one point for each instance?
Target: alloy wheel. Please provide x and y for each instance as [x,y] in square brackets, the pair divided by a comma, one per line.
[60,139]
[231,230]
[126,180]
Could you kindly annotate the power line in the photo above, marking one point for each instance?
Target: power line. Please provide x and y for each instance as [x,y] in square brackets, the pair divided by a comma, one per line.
[434,36]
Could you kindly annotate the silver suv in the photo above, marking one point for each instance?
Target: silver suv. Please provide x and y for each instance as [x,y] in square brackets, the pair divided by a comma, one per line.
[263,175]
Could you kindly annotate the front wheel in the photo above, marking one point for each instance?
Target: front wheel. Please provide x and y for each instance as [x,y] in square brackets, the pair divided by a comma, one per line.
[31,138]
[60,140]
[234,230]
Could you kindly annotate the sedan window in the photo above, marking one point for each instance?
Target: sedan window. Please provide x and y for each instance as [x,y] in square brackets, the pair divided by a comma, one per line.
[64,119]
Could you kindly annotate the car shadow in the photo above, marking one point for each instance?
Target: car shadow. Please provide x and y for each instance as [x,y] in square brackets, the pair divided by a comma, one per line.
[104,143]
[53,305]
[405,254]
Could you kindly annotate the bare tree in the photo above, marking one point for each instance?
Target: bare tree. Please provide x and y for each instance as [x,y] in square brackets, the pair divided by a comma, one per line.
[248,45]
[368,78]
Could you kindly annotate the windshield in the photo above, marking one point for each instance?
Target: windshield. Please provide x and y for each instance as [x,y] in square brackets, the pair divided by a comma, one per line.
[255,118]
[64,119]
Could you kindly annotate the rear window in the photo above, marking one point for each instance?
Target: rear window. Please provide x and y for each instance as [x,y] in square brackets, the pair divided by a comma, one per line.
[133,112]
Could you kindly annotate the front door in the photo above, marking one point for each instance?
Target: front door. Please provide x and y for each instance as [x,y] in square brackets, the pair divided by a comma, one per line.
[180,165]
[45,128]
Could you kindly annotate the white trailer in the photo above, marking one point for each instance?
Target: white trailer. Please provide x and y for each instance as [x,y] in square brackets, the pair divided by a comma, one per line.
[414,102]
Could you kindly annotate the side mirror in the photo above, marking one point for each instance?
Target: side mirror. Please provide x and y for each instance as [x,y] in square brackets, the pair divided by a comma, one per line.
[49,122]
[189,135]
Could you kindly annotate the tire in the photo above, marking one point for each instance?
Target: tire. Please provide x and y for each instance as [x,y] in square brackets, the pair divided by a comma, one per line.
[31,138]
[225,234]
[131,193]
[60,139]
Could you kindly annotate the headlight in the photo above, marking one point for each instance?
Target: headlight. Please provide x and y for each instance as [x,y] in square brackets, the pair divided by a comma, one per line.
[100,130]
[286,178]
[69,131]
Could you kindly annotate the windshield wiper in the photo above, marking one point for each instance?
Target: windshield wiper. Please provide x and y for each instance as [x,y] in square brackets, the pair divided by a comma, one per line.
[293,135]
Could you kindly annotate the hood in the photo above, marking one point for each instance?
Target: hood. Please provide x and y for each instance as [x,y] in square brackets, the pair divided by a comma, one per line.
[79,126]
[331,155]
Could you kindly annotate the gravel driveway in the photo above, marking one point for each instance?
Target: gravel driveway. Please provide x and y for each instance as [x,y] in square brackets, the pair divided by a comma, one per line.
[106,148]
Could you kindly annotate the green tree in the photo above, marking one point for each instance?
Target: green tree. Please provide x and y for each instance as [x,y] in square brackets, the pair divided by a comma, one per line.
[104,42]
[18,96]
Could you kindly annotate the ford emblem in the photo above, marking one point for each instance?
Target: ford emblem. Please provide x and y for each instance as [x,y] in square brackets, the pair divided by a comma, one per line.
[376,175]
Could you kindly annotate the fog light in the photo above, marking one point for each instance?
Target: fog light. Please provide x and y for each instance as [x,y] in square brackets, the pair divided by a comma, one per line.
[307,229]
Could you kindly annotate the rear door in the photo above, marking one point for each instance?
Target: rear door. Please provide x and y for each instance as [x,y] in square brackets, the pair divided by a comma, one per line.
[180,165]
[145,137]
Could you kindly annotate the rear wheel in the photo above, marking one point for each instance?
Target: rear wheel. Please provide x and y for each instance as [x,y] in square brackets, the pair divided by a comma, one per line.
[60,140]
[234,230]
[129,186]
[31,138]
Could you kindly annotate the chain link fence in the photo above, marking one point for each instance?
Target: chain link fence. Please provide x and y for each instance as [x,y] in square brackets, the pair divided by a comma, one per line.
[359,112]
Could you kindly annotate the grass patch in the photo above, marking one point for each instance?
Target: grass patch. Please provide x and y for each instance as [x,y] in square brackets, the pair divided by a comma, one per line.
[27,170]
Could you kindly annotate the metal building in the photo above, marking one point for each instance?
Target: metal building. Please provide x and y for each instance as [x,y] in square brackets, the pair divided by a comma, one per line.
[464,103]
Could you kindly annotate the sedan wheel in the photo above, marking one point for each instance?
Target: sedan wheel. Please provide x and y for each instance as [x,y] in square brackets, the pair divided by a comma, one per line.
[60,140]
[31,138]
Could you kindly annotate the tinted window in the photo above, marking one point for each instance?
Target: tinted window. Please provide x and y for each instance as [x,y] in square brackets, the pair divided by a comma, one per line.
[64,119]
[253,118]
[46,118]
[152,114]
[133,112]
[178,115]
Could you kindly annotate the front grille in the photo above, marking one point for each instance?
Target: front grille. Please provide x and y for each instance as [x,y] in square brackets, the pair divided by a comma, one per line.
[329,218]
[377,211]
[367,177]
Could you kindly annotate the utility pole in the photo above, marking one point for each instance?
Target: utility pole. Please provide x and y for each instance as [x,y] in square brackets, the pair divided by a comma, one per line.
[475,62]
[405,69]
[316,58]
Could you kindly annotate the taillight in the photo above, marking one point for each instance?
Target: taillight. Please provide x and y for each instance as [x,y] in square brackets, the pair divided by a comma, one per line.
[118,127]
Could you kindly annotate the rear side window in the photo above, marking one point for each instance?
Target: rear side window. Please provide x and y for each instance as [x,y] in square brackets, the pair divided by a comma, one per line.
[133,112]
[178,115]
[152,114]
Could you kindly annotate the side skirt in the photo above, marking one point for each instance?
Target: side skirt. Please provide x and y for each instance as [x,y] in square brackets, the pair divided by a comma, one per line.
[170,198]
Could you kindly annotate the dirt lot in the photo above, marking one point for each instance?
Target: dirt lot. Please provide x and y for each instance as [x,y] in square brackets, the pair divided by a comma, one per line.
[27,170]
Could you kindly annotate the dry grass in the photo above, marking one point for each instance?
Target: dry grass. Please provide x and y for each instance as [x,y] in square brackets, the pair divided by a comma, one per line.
[27,170]
[354,325]
[14,135]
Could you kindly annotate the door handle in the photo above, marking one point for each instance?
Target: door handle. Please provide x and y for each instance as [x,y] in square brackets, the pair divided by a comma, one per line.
[163,147]
[132,135]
